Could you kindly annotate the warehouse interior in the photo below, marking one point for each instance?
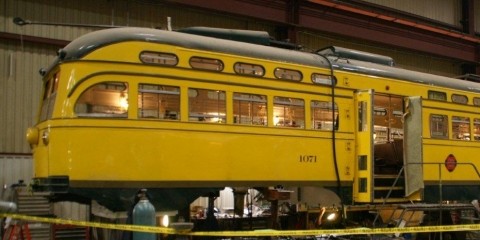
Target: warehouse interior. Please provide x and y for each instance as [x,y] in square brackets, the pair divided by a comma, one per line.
[442,40]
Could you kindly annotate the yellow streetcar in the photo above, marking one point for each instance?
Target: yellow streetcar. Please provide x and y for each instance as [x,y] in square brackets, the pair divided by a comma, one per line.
[186,115]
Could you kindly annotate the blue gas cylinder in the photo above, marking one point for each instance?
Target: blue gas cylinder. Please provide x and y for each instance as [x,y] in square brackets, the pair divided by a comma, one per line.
[144,214]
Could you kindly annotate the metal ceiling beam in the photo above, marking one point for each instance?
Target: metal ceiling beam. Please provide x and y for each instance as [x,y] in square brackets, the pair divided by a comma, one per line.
[338,18]
[33,39]
[399,35]
[269,10]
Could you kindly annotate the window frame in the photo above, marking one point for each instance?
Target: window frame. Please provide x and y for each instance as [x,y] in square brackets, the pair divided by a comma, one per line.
[434,95]
[445,134]
[280,76]
[262,101]
[459,98]
[235,69]
[141,57]
[284,104]
[102,115]
[201,117]
[159,93]
[335,122]
[460,119]
[199,67]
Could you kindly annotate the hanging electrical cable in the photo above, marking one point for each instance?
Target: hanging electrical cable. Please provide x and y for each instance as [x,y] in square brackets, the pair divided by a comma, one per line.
[334,129]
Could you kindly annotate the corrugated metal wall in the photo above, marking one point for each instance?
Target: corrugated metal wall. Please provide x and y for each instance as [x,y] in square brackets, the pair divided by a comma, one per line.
[20,88]
[446,11]
[72,210]
[12,169]
[477,16]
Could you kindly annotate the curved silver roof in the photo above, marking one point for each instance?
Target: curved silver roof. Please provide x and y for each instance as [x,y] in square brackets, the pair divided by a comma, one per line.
[91,41]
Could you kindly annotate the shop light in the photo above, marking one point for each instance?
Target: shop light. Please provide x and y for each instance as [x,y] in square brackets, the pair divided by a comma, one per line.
[165,221]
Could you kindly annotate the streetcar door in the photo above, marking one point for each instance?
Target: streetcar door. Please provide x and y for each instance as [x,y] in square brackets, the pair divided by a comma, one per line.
[363,185]
[413,147]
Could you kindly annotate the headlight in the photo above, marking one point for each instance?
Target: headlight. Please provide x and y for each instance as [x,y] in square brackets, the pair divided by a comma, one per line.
[32,136]
[46,137]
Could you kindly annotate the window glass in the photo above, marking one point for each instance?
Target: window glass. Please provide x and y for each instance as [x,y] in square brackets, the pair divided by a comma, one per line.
[159,58]
[476,129]
[249,69]
[250,109]
[322,115]
[106,99]
[456,98]
[476,101]
[288,74]
[206,105]
[206,63]
[362,116]
[434,95]
[461,128]
[438,126]
[158,101]
[362,185]
[387,118]
[322,79]
[49,94]
[289,112]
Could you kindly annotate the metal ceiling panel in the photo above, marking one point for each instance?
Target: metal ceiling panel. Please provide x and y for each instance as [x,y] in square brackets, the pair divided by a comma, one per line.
[445,11]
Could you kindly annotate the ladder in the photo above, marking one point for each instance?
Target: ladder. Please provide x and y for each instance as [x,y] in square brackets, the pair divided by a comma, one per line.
[19,231]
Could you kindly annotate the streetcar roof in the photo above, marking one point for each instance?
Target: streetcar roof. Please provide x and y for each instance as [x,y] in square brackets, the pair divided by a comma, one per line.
[94,40]
[403,74]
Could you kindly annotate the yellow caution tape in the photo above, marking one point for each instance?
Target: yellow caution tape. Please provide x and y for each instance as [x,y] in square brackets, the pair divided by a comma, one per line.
[128,227]
[258,233]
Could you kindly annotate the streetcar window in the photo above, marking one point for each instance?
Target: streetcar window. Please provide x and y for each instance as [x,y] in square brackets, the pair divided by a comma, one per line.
[206,105]
[387,118]
[434,95]
[288,74]
[105,99]
[476,101]
[158,101]
[159,58]
[323,79]
[324,115]
[249,69]
[476,129]
[48,101]
[461,128]
[206,63]
[438,126]
[362,116]
[457,98]
[289,112]
[362,185]
[249,109]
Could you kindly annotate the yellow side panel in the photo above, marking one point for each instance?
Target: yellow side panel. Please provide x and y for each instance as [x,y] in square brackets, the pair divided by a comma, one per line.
[179,152]
[436,150]
[364,142]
